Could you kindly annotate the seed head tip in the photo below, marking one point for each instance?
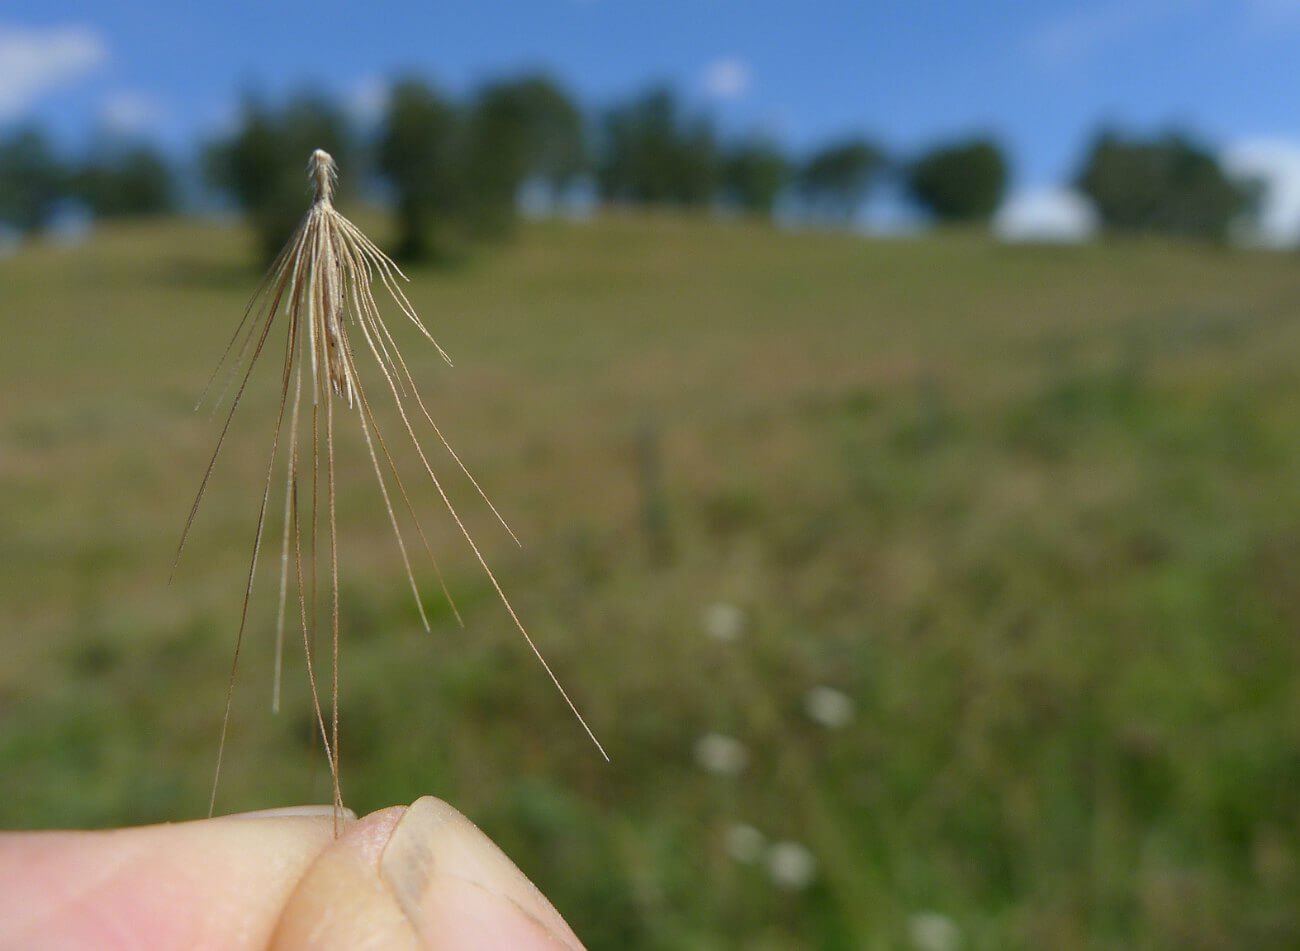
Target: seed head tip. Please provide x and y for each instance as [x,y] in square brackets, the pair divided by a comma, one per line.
[323,172]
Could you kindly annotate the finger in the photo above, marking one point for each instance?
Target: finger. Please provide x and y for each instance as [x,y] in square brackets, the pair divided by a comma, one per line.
[217,883]
[419,877]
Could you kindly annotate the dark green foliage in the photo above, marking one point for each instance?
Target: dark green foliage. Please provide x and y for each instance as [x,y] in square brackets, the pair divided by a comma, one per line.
[131,182]
[836,180]
[540,125]
[654,154]
[417,154]
[753,174]
[1165,185]
[456,171]
[960,182]
[516,130]
[31,179]
[262,165]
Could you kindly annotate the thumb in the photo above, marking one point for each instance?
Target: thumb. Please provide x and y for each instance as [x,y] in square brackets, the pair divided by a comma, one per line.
[419,877]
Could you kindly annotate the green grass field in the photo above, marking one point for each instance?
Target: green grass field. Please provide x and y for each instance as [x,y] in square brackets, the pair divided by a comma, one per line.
[1034,511]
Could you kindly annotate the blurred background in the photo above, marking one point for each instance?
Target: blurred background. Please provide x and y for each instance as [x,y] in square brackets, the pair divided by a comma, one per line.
[897,404]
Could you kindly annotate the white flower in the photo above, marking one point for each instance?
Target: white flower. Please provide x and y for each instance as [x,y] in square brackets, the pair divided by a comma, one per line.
[723,755]
[831,708]
[723,621]
[933,931]
[791,865]
[745,843]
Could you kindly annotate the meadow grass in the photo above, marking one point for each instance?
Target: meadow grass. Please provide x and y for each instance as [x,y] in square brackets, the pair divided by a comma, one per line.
[1033,511]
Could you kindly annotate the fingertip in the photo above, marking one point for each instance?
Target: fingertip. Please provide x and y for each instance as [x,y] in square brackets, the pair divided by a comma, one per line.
[341,902]
[459,915]
[459,890]
[421,876]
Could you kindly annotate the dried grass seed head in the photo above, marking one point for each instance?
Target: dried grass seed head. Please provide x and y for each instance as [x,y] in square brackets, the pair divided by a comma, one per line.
[322,284]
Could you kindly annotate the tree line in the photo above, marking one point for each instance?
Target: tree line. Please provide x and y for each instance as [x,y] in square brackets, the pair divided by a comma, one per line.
[117,179]
[453,169]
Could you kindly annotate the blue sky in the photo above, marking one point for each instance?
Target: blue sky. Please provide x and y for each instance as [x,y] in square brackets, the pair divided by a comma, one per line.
[1040,74]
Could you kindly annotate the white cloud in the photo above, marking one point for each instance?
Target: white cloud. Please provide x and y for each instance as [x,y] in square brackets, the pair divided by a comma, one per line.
[34,60]
[1081,34]
[1276,164]
[367,100]
[130,112]
[1046,214]
[727,78]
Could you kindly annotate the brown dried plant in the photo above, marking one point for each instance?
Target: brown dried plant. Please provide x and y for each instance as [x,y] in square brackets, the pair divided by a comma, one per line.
[321,285]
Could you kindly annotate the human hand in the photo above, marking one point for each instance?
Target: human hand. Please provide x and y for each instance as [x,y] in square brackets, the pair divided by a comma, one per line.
[418,876]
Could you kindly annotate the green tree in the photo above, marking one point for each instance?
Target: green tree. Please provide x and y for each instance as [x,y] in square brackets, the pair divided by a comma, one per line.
[542,124]
[652,153]
[126,182]
[262,164]
[32,180]
[520,130]
[836,180]
[753,174]
[1165,185]
[418,154]
[504,144]
[960,182]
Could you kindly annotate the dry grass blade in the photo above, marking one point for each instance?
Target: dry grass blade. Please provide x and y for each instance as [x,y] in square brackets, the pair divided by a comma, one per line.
[321,285]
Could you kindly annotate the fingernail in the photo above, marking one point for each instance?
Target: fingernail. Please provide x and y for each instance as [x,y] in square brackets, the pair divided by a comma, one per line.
[284,812]
[458,889]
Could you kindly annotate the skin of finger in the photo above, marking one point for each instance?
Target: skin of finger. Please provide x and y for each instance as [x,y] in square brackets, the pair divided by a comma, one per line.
[463,892]
[463,916]
[216,883]
[342,902]
[346,901]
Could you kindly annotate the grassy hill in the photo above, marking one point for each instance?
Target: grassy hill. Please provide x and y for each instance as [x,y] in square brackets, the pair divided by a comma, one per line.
[967,571]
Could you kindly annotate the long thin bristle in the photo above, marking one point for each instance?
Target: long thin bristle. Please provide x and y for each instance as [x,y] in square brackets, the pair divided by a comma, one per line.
[321,283]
